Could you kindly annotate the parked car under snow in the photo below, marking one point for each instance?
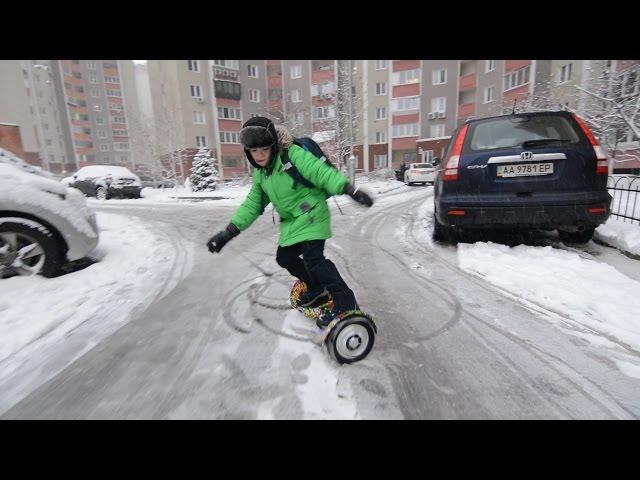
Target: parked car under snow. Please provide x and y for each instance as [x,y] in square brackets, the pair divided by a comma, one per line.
[43,224]
[107,181]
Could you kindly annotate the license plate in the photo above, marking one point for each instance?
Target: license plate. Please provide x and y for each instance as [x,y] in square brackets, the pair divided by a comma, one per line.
[525,170]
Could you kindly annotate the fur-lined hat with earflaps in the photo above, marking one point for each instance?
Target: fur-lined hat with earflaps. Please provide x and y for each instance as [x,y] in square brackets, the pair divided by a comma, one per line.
[258,132]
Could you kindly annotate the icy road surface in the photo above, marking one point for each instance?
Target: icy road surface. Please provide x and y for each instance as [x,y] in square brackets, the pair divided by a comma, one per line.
[474,331]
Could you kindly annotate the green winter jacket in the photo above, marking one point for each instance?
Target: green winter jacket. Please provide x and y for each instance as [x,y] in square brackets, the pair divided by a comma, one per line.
[304,213]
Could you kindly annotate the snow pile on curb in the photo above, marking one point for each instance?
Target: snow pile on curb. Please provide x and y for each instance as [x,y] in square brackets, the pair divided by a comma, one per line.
[621,235]
[594,294]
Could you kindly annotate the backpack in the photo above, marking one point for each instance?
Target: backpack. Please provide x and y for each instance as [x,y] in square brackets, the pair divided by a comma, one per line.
[312,147]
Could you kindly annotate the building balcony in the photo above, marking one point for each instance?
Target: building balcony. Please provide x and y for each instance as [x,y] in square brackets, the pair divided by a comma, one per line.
[468,82]
[466,110]
[224,74]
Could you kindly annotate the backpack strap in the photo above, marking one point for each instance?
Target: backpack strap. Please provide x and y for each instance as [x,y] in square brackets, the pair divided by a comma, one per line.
[293,172]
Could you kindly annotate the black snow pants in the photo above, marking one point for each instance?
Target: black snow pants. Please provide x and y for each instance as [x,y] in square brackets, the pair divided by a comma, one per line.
[316,271]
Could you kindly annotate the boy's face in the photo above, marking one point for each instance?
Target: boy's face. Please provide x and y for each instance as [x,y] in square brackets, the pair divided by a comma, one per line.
[261,155]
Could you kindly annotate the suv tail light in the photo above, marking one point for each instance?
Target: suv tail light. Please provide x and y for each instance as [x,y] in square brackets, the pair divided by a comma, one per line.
[451,165]
[602,165]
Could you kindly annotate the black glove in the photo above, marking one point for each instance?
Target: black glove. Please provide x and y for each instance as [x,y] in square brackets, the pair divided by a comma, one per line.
[221,238]
[358,195]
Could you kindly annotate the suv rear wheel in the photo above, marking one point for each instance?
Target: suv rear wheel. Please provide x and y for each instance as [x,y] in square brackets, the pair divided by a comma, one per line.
[577,237]
[441,233]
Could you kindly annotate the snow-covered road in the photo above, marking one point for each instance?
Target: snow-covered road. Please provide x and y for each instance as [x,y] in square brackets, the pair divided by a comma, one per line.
[480,330]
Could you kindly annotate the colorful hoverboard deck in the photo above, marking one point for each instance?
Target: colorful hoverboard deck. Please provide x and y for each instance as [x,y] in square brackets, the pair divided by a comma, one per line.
[349,337]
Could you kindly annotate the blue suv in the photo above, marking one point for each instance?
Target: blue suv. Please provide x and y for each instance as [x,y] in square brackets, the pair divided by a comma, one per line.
[530,170]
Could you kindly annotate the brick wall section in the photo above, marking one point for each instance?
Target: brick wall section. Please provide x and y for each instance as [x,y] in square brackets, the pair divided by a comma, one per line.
[11,140]
[377,149]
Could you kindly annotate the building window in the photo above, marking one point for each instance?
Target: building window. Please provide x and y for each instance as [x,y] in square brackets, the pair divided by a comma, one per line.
[381,88]
[405,130]
[111,79]
[631,82]
[324,112]
[117,119]
[198,118]
[97,108]
[439,77]
[439,105]
[105,159]
[193,65]
[225,89]
[254,95]
[100,120]
[102,134]
[405,103]
[295,96]
[95,93]
[116,106]
[233,64]
[382,64]
[91,65]
[381,137]
[229,113]
[565,73]
[120,146]
[517,78]
[104,147]
[437,131]
[196,91]
[381,113]
[113,93]
[201,141]
[123,158]
[229,137]
[252,71]
[120,133]
[296,71]
[406,76]
[381,161]
[427,156]
[93,79]
[488,95]
[490,66]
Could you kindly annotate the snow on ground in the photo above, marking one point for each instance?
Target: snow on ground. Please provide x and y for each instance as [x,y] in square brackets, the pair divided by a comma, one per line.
[318,385]
[621,235]
[592,293]
[136,264]
[595,294]
[223,196]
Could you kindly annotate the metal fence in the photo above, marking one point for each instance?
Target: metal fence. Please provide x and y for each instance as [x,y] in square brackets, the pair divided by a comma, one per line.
[625,190]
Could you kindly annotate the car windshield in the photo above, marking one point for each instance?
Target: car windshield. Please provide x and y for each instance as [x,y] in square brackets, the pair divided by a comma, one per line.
[522,132]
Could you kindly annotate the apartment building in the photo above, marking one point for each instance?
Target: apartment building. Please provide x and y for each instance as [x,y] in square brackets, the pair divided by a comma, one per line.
[402,110]
[28,99]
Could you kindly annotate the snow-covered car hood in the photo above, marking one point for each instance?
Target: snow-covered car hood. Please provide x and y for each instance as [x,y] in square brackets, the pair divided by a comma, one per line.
[101,171]
[18,186]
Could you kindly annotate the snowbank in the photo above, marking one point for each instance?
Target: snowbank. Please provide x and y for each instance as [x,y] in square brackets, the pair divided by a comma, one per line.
[594,294]
[136,265]
[621,235]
